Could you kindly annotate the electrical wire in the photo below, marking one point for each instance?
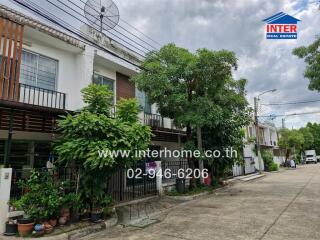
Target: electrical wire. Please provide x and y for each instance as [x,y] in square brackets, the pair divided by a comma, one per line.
[144,52]
[117,24]
[76,33]
[159,44]
[290,103]
[291,114]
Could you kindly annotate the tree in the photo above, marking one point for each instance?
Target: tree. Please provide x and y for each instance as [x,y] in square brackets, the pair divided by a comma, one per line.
[190,88]
[311,55]
[94,129]
[291,140]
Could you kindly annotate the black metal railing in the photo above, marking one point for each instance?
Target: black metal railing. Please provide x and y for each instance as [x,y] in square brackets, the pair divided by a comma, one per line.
[126,186]
[153,120]
[41,97]
[174,166]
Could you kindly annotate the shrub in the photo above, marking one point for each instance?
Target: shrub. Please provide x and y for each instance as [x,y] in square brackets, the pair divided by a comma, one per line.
[273,167]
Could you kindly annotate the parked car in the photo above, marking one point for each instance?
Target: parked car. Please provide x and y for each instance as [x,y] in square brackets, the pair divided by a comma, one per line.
[318,158]
[310,156]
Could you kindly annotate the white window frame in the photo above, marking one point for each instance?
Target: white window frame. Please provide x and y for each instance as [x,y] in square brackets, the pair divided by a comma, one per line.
[108,78]
[50,58]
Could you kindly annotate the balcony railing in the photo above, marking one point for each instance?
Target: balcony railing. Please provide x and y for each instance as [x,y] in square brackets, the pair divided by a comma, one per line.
[37,96]
[153,120]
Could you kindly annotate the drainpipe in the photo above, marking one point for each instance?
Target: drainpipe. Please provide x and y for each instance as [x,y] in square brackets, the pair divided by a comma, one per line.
[9,142]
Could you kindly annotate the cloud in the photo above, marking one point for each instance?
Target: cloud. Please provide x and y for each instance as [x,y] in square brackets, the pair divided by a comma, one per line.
[238,26]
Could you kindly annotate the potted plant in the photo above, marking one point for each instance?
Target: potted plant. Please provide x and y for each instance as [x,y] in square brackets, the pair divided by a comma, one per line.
[96,211]
[40,203]
[11,228]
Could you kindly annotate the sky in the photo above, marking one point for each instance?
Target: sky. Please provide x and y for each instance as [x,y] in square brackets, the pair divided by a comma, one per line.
[236,25]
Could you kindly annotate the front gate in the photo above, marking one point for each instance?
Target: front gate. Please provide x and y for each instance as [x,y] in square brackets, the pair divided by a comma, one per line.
[123,188]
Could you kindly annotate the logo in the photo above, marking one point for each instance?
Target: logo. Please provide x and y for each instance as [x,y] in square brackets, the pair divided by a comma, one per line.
[281,26]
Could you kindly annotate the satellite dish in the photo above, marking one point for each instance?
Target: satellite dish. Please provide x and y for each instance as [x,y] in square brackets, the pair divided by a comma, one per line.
[102,13]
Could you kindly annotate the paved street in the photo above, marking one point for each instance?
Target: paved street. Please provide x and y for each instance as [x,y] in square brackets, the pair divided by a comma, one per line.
[283,205]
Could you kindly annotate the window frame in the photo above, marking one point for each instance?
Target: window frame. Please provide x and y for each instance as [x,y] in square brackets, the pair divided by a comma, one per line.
[110,79]
[37,69]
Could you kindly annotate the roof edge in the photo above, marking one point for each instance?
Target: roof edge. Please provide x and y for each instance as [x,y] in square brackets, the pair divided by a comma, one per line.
[23,19]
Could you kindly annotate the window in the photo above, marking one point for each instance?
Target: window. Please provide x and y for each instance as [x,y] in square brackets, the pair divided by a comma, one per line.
[38,70]
[143,101]
[102,80]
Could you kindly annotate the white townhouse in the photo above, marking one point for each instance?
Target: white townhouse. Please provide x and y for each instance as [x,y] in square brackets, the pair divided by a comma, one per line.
[42,72]
[268,139]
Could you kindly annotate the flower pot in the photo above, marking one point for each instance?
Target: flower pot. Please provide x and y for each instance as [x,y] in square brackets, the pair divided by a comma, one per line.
[49,229]
[95,216]
[53,222]
[62,220]
[25,229]
[65,212]
[85,216]
[11,229]
[25,220]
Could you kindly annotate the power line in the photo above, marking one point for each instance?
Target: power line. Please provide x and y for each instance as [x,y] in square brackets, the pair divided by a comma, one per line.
[95,28]
[289,103]
[141,32]
[118,25]
[75,32]
[291,114]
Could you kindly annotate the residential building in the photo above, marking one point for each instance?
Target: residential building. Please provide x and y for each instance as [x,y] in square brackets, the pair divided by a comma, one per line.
[42,72]
[268,139]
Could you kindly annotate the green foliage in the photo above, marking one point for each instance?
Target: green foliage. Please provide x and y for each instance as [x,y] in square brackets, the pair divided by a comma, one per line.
[197,90]
[185,85]
[92,130]
[267,157]
[273,167]
[98,99]
[43,197]
[311,56]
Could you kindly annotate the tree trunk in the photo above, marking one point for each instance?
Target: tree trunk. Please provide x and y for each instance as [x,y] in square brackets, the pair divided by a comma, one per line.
[199,143]
[190,159]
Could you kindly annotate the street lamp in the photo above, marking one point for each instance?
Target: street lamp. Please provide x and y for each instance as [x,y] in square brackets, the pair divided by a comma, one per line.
[256,102]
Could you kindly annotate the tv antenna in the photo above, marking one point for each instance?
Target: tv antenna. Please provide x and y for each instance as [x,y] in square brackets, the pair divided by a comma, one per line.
[102,13]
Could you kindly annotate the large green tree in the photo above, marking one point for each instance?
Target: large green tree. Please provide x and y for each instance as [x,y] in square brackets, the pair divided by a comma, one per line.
[311,55]
[194,89]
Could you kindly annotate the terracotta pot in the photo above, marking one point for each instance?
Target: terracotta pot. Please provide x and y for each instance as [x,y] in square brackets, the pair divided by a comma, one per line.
[62,220]
[65,212]
[53,222]
[25,229]
[49,229]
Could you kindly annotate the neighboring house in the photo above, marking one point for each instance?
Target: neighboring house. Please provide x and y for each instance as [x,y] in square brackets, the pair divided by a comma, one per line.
[268,139]
[42,72]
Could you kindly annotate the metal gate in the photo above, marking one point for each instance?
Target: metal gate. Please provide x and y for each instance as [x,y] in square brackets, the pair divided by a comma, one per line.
[123,189]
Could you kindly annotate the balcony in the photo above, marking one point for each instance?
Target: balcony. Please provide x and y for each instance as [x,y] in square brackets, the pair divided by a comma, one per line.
[35,96]
[154,120]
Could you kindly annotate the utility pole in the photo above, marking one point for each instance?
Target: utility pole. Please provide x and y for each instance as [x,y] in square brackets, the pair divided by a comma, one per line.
[283,123]
[256,121]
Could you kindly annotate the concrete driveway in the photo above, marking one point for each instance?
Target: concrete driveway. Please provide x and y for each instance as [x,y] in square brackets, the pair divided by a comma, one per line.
[283,205]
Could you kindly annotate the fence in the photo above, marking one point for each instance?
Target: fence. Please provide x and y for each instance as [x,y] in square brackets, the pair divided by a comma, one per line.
[119,186]
[174,166]
[123,186]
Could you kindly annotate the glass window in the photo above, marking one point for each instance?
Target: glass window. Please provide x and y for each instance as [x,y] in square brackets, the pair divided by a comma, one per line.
[38,70]
[102,80]
[143,101]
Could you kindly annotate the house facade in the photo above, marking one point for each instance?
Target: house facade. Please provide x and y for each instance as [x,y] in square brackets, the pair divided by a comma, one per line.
[268,139]
[42,72]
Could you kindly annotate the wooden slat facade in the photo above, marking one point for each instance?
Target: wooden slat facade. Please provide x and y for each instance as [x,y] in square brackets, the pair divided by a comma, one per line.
[125,88]
[11,41]
[29,121]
